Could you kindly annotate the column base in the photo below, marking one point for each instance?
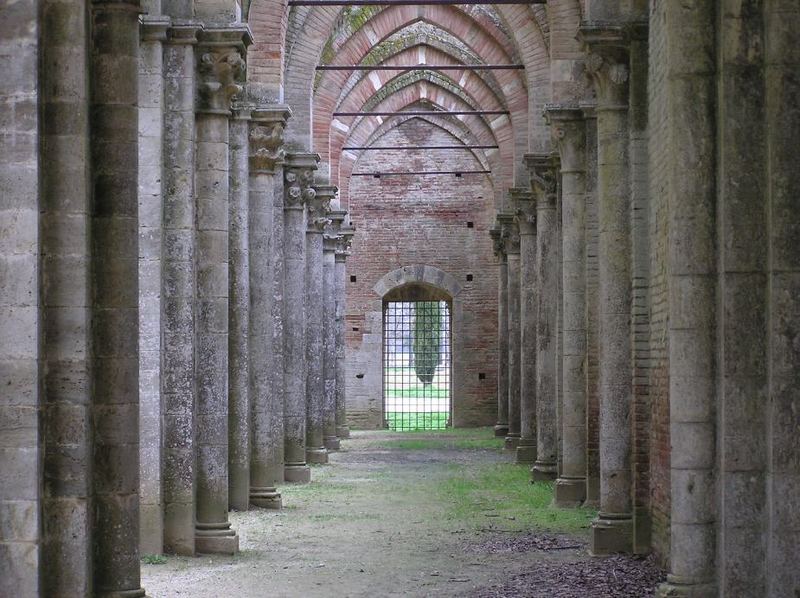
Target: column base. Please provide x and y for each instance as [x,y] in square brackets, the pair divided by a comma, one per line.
[215,538]
[501,430]
[676,587]
[611,534]
[137,593]
[343,431]
[332,443]
[526,453]
[298,474]
[511,442]
[318,456]
[569,492]
[544,471]
[266,498]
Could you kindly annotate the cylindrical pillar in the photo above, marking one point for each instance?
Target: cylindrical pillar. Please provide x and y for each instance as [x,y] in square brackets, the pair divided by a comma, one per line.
[299,177]
[238,315]
[315,363]
[569,134]
[501,427]
[525,210]
[115,298]
[330,242]
[178,290]
[220,65]
[544,181]
[608,65]
[691,87]
[266,287]
[511,235]
[342,251]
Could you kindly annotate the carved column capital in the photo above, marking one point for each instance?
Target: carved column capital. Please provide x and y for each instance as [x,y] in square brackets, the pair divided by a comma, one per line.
[568,130]
[543,169]
[319,207]
[298,177]
[267,124]
[345,240]
[524,206]
[221,67]
[509,232]
[607,62]
[153,28]
[498,244]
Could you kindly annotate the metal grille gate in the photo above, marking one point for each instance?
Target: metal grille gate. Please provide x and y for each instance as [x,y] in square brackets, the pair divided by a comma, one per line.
[416,365]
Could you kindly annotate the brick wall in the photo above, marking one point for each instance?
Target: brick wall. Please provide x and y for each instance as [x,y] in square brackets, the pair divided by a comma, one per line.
[402,221]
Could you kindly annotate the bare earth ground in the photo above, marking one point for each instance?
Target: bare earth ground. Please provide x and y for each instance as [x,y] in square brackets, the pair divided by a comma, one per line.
[410,515]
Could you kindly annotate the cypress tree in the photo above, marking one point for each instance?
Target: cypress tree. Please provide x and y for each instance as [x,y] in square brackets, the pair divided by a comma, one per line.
[427,341]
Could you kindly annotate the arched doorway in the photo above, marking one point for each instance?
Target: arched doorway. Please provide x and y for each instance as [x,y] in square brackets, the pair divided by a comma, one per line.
[420,354]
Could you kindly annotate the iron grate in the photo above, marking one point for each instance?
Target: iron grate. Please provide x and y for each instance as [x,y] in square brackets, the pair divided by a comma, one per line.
[417,365]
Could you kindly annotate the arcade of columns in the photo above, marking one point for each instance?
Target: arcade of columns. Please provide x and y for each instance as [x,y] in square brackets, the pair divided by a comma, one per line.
[172,305]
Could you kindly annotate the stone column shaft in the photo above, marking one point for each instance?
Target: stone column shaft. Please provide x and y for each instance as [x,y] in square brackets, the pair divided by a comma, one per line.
[266,287]
[342,251]
[315,363]
[115,299]
[65,319]
[179,290]
[569,133]
[220,65]
[544,181]
[299,176]
[330,322]
[239,316]
[608,65]
[501,427]
[525,208]
[511,235]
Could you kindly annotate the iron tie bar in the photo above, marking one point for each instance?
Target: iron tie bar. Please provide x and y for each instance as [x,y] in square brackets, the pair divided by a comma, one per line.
[409,2]
[418,147]
[457,173]
[421,67]
[427,113]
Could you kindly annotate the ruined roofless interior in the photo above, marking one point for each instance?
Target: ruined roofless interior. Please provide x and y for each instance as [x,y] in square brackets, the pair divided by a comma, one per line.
[358,297]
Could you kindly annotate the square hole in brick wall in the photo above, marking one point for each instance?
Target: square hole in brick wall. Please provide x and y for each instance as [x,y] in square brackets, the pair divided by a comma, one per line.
[470,225]
[481,376]
[353,278]
[469,277]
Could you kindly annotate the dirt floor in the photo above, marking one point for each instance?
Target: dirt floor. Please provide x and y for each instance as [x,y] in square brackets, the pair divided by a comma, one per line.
[414,514]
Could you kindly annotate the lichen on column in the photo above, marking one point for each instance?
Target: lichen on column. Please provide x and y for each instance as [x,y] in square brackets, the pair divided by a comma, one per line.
[330,323]
[298,185]
[510,233]
[346,232]
[501,427]
[266,156]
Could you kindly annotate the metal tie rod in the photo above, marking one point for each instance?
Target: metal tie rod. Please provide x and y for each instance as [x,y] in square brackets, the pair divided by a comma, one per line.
[427,113]
[456,173]
[421,67]
[408,2]
[419,147]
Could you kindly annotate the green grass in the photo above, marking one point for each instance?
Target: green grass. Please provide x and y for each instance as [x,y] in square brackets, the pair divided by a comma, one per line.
[410,392]
[154,559]
[436,420]
[502,494]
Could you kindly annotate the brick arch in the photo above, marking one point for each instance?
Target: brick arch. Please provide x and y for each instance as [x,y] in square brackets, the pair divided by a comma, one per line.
[473,90]
[484,132]
[268,20]
[307,50]
[487,159]
[419,274]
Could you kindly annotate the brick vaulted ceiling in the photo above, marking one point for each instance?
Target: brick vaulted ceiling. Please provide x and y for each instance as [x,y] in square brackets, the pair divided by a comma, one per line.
[289,44]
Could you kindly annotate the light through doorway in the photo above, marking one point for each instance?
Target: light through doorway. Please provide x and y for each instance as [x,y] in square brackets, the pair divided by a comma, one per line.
[417,363]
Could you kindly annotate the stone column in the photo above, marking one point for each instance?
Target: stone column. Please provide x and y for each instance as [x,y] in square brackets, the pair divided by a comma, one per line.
[525,212]
[220,65]
[317,212]
[501,427]
[691,86]
[299,177]
[543,171]
[512,243]
[607,64]
[329,327]
[115,298]
[569,135]
[265,347]
[238,314]
[342,251]
[151,157]
[179,291]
